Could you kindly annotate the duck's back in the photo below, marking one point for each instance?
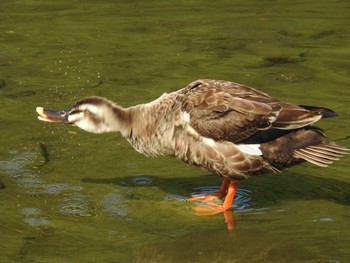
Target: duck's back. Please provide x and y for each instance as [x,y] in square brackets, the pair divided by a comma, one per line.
[229,111]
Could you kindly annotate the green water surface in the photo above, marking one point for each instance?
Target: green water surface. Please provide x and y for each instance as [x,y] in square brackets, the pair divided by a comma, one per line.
[70,196]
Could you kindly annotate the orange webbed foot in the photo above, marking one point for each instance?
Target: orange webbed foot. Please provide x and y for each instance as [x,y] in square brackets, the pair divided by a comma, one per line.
[213,209]
[205,198]
[210,208]
[209,197]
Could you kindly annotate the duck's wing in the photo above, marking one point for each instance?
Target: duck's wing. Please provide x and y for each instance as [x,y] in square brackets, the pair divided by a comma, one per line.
[224,110]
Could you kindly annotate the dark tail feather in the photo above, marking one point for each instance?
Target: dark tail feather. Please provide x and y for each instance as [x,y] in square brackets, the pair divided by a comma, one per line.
[326,113]
[308,144]
[322,154]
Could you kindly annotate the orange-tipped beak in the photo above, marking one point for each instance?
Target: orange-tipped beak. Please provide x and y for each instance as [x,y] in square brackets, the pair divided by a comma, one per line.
[60,116]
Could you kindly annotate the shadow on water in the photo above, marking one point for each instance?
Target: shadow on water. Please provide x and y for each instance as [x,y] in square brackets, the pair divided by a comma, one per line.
[263,191]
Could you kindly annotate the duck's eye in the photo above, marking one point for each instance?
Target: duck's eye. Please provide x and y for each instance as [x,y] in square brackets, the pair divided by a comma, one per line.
[63,113]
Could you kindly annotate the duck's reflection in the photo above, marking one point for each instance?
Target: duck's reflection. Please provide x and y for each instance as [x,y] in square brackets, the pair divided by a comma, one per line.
[221,246]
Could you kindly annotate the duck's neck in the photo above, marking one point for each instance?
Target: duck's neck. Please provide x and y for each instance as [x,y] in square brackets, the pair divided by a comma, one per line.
[127,120]
[139,125]
[131,120]
[144,126]
[122,120]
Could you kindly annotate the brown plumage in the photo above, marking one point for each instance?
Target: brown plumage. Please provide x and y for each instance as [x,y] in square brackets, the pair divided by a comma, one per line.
[230,129]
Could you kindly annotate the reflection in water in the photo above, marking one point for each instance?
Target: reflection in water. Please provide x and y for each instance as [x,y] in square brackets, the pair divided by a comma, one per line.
[220,246]
[73,203]
[114,205]
[34,217]
[17,168]
[16,165]
[27,180]
[56,189]
[175,197]
[242,203]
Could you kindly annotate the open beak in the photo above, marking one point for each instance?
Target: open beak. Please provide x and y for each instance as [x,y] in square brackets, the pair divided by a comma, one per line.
[60,116]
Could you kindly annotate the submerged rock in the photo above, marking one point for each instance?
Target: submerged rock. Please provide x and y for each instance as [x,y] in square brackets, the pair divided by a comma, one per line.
[26,93]
[322,34]
[2,84]
[44,152]
[271,61]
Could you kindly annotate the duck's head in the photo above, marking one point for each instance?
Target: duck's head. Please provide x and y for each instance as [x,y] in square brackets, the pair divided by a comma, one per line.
[92,114]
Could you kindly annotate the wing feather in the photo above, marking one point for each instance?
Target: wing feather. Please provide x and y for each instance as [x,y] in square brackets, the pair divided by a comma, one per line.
[224,110]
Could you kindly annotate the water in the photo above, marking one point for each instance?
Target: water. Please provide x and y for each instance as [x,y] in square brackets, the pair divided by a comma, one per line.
[70,196]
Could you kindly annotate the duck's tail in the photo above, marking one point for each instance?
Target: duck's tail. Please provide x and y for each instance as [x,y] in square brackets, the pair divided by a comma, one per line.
[308,144]
[324,112]
[322,154]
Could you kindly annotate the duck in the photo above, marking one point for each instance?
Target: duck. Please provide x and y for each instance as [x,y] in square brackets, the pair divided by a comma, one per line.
[230,129]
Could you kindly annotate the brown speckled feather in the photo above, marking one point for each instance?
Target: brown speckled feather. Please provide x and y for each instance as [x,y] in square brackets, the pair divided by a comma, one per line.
[224,110]
[227,128]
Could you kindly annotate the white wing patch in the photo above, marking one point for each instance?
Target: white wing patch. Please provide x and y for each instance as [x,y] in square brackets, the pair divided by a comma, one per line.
[252,149]
[209,142]
[185,116]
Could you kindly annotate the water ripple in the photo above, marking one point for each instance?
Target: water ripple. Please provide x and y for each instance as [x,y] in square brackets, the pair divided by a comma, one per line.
[142,180]
[73,205]
[242,202]
[27,179]
[55,189]
[17,169]
[30,211]
[37,222]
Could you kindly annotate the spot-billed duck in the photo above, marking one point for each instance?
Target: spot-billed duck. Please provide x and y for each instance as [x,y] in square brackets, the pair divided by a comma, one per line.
[230,129]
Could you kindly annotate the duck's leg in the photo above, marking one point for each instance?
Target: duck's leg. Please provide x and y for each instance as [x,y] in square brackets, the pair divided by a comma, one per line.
[231,192]
[222,192]
[229,220]
[211,208]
